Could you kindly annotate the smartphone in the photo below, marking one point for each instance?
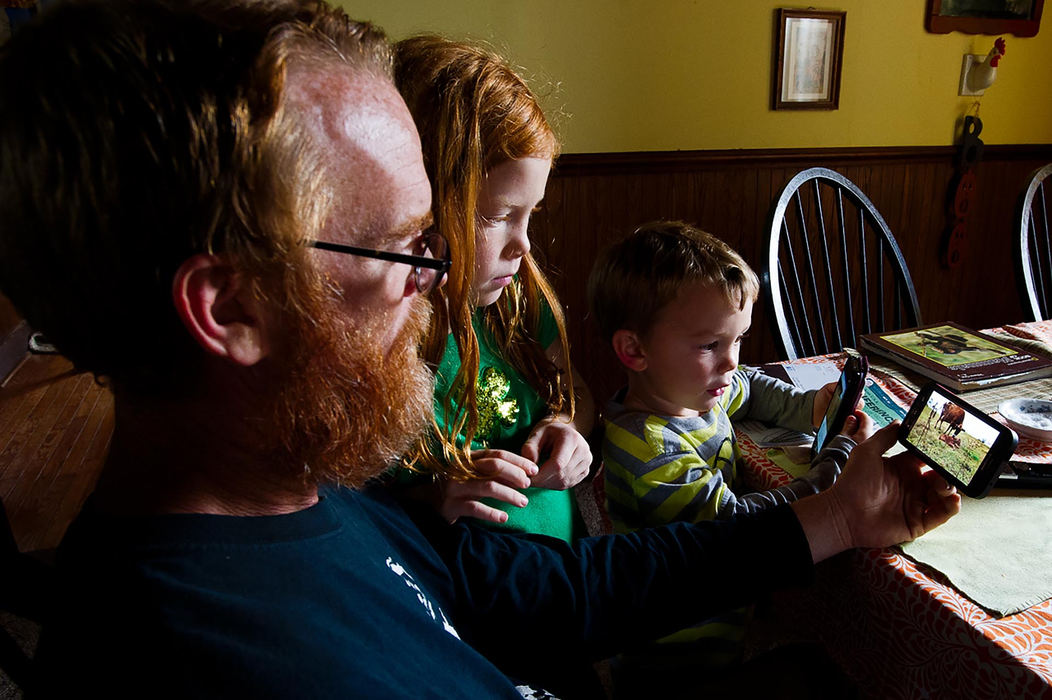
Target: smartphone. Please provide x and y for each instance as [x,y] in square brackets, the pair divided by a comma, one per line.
[845,397]
[966,446]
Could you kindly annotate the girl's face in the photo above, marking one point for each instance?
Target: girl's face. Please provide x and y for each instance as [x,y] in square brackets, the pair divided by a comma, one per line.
[510,192]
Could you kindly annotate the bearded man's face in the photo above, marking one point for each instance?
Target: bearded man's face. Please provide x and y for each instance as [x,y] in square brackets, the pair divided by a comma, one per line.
[352,393]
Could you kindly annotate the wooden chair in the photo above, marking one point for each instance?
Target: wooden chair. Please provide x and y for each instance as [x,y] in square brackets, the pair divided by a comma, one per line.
[1033,248]
[833,270]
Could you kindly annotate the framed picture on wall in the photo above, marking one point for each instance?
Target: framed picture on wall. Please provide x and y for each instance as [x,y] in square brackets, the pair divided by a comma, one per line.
[808,54]
[1019,17]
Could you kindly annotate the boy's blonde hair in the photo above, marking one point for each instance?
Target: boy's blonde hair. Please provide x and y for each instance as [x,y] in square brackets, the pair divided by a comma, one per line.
[633,279]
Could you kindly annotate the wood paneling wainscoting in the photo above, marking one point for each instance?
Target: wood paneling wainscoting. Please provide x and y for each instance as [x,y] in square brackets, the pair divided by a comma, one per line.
[594,199]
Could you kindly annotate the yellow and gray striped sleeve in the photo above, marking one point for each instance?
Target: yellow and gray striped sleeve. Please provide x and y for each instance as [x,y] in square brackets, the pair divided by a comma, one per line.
[661,469]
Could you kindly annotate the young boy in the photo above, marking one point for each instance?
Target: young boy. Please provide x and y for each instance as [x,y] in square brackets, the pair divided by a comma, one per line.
[675,303]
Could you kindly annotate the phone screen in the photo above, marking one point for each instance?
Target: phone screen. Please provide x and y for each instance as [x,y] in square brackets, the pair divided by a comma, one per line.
[963,443]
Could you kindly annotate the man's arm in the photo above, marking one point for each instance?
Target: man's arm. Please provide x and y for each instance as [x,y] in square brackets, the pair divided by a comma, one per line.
[525,600]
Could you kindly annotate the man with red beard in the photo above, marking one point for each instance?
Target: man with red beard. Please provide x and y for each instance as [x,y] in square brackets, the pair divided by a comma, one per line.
[221,210]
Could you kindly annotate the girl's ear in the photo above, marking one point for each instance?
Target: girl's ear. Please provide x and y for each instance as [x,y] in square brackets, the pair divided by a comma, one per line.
[629,350]
[219,310]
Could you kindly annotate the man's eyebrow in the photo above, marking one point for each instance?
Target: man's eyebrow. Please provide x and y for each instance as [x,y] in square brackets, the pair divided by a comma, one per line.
[399,233]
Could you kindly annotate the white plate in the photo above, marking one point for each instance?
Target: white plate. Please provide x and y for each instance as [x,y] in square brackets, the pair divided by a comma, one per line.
[1029,417]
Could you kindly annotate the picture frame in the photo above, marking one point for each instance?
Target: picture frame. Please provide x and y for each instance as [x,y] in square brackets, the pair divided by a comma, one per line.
[808,55]
[1019,17]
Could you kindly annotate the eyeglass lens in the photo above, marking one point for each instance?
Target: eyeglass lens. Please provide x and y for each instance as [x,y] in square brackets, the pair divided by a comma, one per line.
[426,279]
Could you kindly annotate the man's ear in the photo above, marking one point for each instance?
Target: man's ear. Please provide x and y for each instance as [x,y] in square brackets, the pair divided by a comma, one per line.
[219,310]
[629,349]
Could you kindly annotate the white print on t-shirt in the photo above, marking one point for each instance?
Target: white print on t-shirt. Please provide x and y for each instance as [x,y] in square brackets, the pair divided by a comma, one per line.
[407,578]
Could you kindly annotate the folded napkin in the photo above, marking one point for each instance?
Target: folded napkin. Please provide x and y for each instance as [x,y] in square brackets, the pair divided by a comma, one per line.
[995,551]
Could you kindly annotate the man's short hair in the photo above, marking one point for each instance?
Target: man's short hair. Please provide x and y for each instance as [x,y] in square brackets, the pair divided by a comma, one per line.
[635,278]
[135,134]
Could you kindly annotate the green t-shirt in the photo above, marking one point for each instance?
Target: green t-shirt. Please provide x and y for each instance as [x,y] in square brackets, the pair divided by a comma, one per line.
[508,409]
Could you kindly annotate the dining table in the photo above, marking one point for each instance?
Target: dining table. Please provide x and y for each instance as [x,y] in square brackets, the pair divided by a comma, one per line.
[941,617]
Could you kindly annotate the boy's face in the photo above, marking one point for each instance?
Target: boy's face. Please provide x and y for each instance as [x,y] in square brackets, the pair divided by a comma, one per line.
[691,351]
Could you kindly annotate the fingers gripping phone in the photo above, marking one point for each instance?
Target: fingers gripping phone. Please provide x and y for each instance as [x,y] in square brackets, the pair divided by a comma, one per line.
[846,396]
[963,444]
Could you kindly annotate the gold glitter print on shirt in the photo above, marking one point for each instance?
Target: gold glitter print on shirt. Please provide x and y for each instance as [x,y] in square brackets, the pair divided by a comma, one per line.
[494,410]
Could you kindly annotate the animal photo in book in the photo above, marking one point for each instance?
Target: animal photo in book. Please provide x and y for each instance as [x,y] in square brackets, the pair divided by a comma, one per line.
[952,437]
[948,346]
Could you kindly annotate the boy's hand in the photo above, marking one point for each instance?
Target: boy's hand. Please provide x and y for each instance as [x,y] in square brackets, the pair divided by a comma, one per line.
[822,399]
[859,427]
[503,471]
[569,457]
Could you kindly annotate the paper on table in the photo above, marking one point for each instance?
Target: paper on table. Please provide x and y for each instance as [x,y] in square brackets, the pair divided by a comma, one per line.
[995,551]
[813,376]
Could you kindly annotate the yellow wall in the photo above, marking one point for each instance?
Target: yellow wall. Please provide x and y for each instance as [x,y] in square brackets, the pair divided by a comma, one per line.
[641,75]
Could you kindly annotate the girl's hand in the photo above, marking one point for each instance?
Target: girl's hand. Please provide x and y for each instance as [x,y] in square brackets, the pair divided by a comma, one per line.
[504,473]
[569,457]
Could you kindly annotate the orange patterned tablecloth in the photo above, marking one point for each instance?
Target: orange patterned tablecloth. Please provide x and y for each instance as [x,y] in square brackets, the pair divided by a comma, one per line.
[901,630]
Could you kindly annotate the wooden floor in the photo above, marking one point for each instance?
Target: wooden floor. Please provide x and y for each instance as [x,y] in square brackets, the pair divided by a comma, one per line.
[55,428]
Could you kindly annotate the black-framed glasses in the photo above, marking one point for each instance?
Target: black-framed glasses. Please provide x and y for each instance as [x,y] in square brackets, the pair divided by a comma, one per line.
[428,269]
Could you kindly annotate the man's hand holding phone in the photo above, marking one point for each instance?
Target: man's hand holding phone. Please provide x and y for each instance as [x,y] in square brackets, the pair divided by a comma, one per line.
[877,502]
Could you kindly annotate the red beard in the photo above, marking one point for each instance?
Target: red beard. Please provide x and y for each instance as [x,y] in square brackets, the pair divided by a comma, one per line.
[346,410]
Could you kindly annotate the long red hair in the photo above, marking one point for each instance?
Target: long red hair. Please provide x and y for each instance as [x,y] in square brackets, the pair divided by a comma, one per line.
[473,113]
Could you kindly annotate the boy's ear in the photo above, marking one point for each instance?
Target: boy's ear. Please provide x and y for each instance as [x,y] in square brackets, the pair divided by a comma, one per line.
[629,349]
[219,310]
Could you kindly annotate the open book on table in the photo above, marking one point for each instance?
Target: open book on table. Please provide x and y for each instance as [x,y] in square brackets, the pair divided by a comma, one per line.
[957,357]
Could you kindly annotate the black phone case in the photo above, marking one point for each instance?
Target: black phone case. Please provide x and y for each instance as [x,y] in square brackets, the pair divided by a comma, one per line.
[989,469]
[852,383]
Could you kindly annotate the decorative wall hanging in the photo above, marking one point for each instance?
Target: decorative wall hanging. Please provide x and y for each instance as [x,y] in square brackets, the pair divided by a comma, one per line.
[963,193]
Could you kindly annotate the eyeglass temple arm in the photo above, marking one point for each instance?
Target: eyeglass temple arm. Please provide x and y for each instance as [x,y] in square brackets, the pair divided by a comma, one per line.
[414,260]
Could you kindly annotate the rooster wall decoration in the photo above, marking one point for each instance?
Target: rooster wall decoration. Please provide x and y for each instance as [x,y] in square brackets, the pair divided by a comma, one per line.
[976,74]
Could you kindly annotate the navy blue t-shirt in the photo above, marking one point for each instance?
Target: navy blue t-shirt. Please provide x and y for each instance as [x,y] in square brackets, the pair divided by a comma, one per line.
[349,598]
